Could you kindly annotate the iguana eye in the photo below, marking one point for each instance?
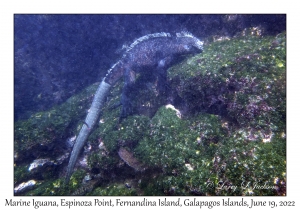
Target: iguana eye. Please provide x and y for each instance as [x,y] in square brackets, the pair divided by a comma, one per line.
[161,63]
[187,47]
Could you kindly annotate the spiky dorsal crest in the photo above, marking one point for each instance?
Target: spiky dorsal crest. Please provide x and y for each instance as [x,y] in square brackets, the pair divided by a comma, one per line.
[146,37]
[185,34]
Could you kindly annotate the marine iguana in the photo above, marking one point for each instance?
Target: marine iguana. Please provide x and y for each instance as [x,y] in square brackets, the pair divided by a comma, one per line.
[153,52]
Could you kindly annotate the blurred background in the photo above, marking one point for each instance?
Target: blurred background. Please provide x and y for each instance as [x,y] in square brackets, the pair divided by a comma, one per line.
[56,56]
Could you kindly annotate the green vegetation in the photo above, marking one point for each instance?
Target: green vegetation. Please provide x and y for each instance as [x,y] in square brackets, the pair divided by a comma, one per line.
[43,128]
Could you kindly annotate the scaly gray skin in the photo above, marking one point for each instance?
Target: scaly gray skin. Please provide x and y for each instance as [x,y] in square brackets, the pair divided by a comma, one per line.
[90,122]
[153,52]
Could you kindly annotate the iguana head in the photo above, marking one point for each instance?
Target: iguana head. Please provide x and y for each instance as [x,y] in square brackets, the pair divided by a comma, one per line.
[189,43]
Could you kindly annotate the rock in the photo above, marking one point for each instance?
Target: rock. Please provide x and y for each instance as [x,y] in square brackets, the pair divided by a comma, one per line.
[71,141]
[39,163]
[24,186]
[128,158]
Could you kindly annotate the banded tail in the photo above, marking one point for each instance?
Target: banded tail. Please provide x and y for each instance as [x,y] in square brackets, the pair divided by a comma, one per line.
[91,119]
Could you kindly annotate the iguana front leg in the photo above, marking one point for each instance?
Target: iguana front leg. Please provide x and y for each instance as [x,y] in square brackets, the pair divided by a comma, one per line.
[161,74]
[127,107]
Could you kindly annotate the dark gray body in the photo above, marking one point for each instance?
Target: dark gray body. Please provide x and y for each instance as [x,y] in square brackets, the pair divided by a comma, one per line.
[154,53]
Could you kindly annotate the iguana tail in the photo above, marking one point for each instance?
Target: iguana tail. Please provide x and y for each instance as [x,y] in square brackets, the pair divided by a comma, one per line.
[90,122]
